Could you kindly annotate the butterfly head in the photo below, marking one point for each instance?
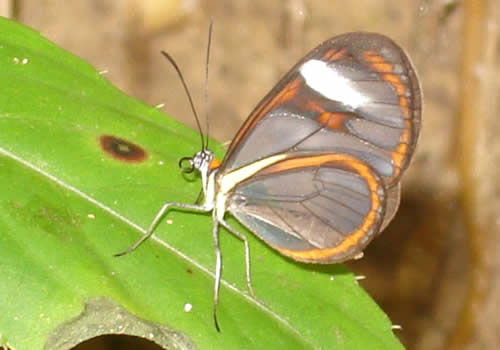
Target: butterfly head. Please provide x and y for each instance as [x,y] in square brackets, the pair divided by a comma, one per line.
[200,161]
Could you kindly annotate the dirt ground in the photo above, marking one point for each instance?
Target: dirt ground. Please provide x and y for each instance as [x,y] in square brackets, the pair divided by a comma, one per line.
[426,270]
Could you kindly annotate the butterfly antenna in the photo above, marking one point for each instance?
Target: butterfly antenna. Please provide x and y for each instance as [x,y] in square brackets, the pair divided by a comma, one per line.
[172,61]
[209,44]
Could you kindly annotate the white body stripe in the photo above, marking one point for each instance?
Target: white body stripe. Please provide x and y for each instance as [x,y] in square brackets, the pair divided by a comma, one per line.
[228,181]
[327,81]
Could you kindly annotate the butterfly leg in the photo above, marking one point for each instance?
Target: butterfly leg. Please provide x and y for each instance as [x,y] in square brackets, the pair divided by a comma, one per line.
[218,265]
[158,217]
[247,254]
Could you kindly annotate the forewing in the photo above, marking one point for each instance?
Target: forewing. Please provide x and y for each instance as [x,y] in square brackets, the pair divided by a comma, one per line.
[355,94]
[321,209]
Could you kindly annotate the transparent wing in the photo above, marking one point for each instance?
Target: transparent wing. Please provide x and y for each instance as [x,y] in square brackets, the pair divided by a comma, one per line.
[325,210]
[355,94]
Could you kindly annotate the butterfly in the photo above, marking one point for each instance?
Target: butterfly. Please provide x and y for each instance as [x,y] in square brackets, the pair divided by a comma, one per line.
[315,170]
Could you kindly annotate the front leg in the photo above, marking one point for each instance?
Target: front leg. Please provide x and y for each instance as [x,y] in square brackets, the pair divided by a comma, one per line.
[158,217]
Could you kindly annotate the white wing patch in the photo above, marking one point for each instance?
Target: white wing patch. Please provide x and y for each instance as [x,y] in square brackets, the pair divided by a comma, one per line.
[327,81]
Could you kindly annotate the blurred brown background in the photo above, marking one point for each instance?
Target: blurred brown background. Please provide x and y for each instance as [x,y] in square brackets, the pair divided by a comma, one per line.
[435,270]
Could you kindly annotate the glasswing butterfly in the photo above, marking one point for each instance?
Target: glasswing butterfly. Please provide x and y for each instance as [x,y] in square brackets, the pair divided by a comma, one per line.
[315,170]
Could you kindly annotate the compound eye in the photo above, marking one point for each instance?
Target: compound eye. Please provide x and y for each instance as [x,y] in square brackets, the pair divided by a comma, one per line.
[186,165]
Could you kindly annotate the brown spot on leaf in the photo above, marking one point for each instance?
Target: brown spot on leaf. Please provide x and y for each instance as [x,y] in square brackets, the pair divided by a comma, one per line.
[121,149]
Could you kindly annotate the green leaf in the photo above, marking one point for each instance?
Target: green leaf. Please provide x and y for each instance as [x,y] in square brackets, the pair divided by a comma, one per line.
[67,205]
